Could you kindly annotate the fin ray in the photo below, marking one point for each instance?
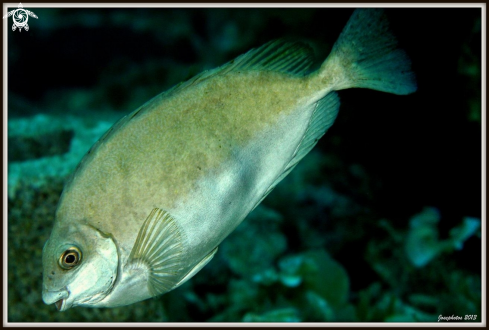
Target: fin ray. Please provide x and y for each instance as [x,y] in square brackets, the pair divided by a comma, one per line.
[277,55]
[158,248]
[321,120]
[197,267]
[369,56]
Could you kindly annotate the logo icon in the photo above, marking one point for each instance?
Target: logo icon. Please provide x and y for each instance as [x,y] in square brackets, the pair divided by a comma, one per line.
[20,17]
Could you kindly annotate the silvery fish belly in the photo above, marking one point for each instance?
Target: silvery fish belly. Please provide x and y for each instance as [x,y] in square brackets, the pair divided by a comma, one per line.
[149,204]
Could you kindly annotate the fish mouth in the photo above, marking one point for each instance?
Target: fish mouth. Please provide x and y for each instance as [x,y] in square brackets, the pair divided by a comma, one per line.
[60,304]
[59,298]
[63,304]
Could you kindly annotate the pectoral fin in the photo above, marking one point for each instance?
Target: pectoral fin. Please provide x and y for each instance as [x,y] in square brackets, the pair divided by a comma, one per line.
[159,250]
[197,267]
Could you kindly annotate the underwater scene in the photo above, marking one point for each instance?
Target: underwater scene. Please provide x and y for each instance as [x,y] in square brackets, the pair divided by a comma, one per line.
[380,222]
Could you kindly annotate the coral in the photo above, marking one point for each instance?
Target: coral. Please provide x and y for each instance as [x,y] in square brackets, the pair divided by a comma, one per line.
[422,244]
[44,147]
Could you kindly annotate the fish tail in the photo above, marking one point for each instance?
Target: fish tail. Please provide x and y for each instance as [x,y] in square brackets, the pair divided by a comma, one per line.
[366,56]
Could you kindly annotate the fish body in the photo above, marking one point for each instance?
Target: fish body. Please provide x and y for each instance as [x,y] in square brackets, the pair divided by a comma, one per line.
[149,204]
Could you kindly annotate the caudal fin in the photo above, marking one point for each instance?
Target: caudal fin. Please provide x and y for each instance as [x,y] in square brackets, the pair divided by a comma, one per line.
[366,56]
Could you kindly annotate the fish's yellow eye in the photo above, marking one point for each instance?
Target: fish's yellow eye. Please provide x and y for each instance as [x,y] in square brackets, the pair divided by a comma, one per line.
[70,258]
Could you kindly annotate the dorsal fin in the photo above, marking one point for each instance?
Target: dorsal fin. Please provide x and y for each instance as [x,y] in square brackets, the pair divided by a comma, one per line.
[277,55]
[323,117]
[159,250]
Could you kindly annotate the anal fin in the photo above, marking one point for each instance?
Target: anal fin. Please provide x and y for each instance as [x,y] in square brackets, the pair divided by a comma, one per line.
[321,120]
[159,250]
[324,115]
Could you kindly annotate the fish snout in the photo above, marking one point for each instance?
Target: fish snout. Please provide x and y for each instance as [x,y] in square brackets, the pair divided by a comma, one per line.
[59,298]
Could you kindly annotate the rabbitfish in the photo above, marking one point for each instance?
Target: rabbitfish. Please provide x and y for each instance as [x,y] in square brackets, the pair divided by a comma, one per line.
[151,201]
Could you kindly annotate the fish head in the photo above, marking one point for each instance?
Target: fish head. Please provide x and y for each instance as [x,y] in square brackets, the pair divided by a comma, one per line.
[80,266]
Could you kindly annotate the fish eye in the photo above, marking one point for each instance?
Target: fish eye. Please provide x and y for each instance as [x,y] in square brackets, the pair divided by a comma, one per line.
[70,258]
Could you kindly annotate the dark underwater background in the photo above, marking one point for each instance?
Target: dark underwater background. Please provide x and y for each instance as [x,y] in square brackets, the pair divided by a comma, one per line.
[380,222]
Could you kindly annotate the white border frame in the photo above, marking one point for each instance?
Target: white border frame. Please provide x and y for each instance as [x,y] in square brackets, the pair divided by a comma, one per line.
[6,31]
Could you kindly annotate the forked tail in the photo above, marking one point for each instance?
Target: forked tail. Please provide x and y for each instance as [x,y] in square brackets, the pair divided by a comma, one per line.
[366,56]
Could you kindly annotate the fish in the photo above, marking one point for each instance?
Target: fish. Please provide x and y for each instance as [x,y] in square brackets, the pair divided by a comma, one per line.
[149,204]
